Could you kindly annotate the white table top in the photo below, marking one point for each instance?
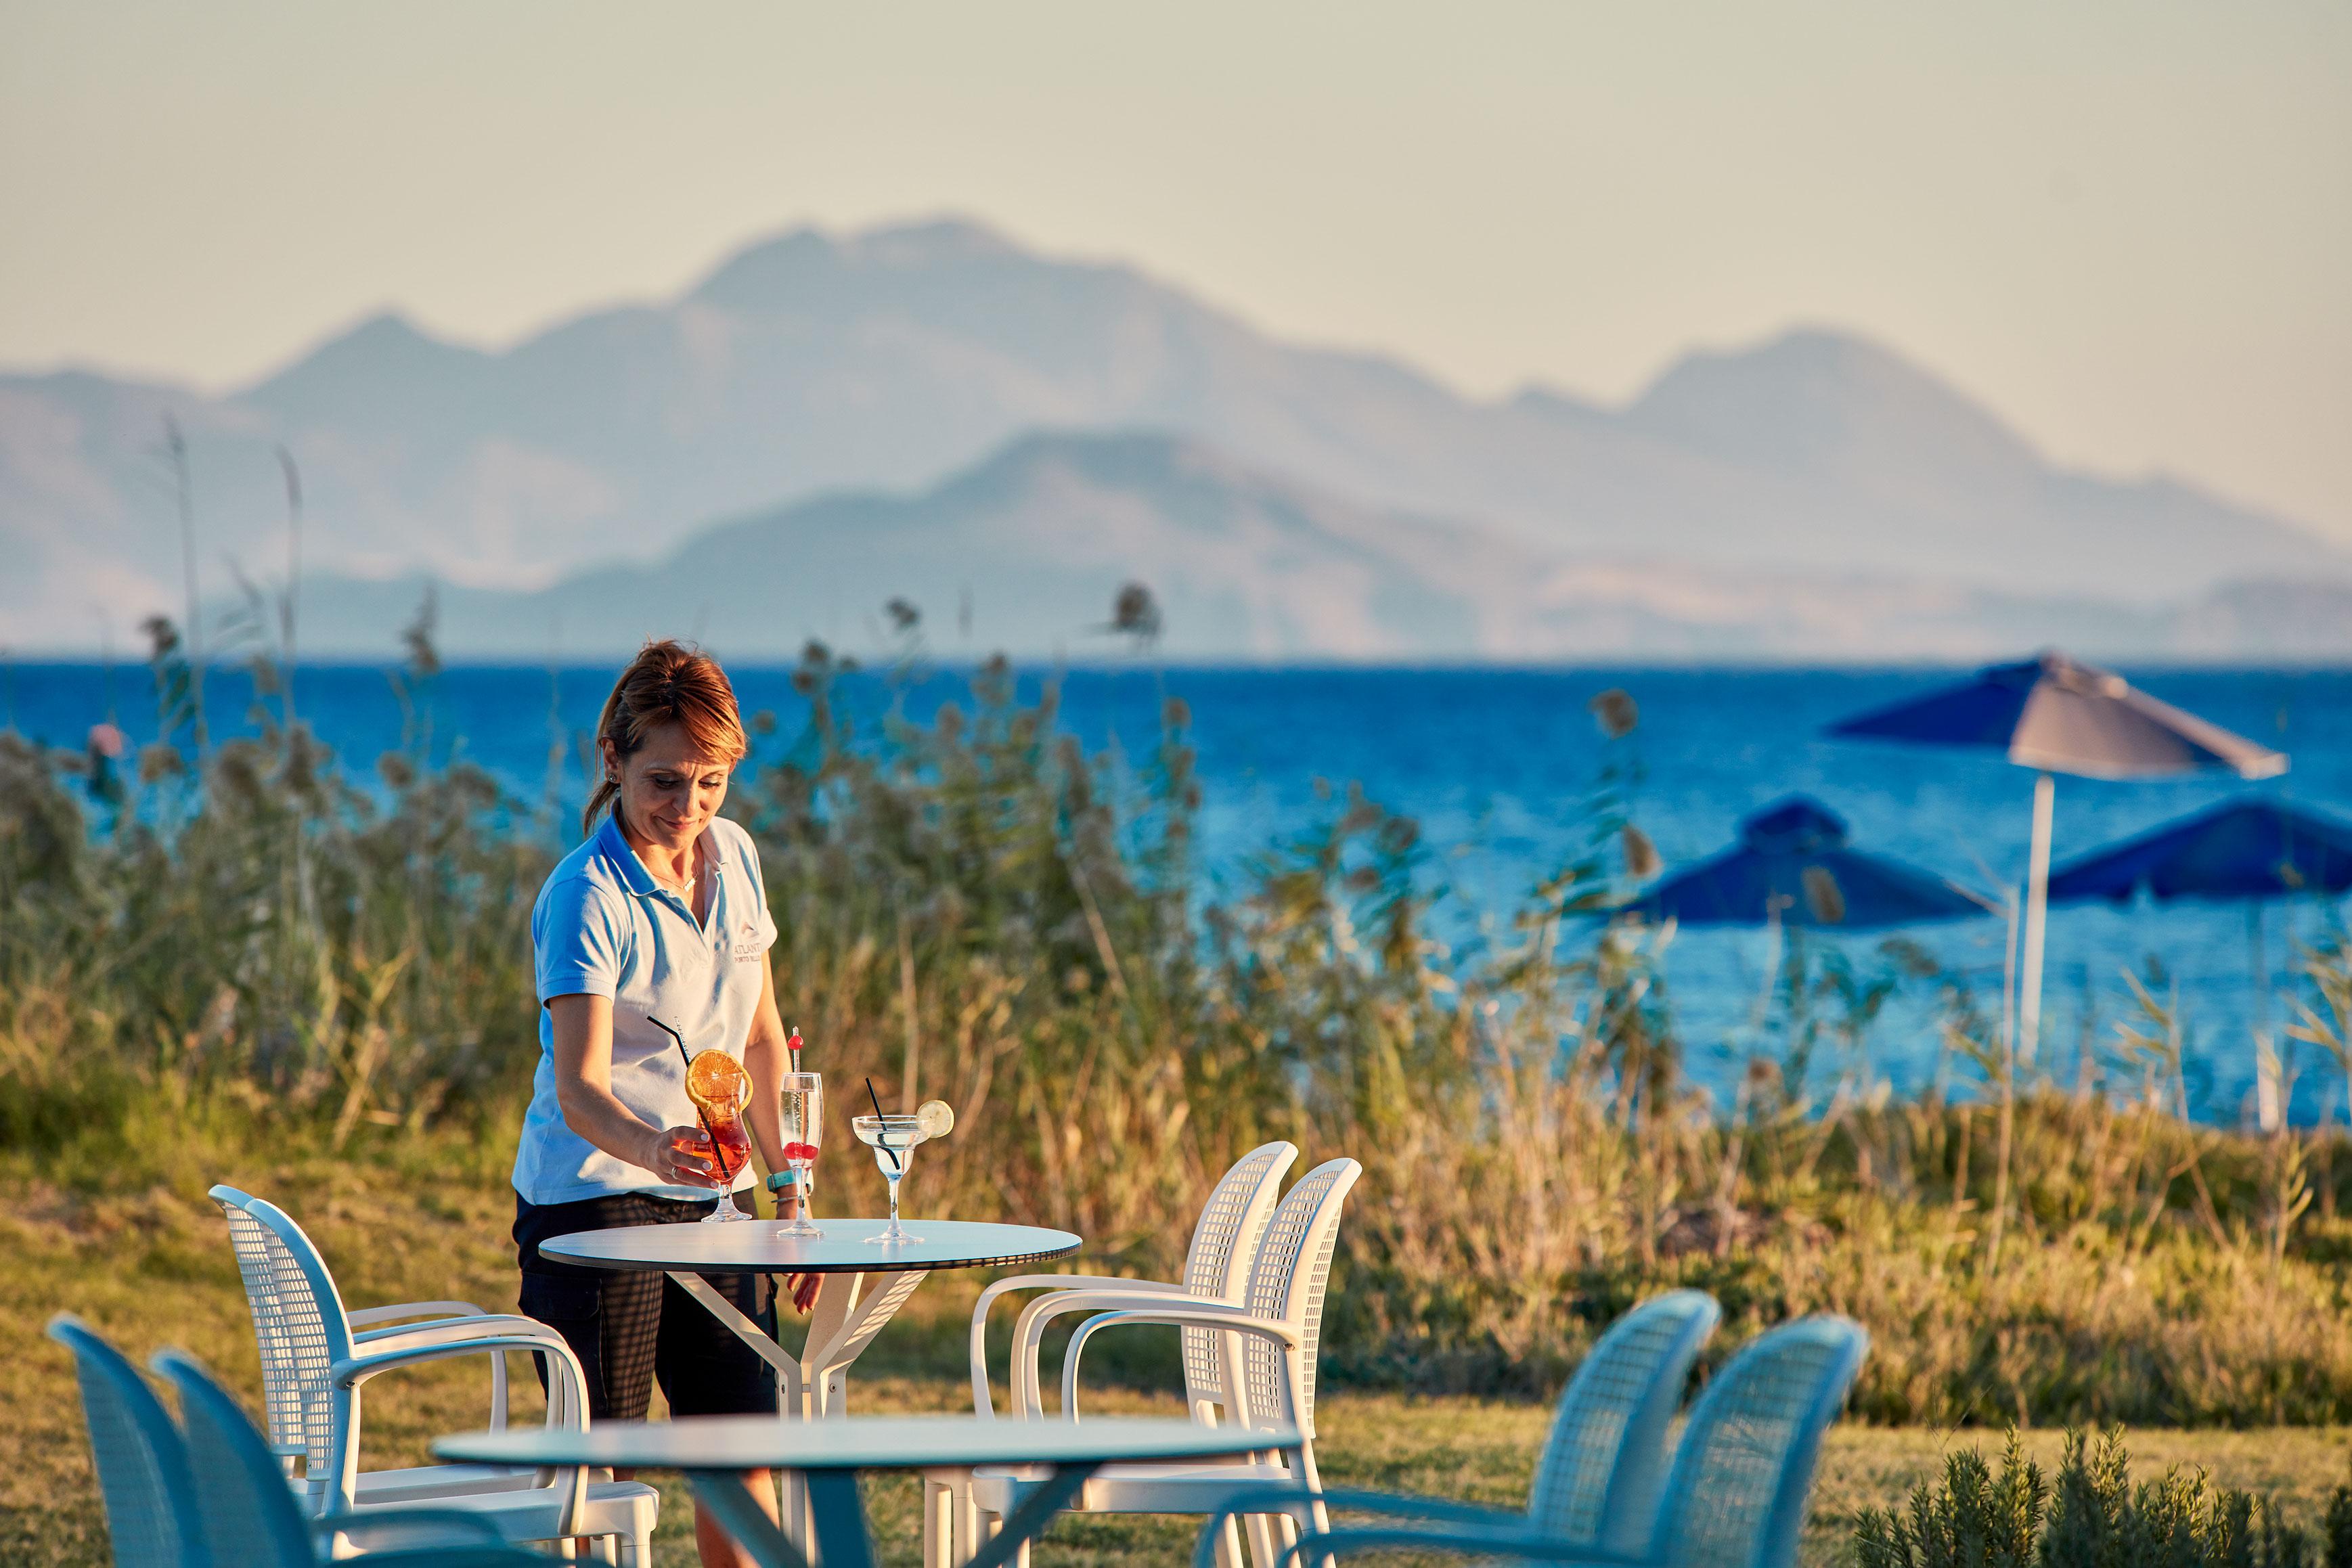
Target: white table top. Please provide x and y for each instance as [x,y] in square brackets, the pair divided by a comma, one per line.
[858,1442]
[754,1247]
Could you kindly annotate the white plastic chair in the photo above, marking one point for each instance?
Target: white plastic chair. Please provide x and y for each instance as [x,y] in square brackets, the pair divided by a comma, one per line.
[314,1367]
[1216,1268]
[294,1360]
[1275,1329]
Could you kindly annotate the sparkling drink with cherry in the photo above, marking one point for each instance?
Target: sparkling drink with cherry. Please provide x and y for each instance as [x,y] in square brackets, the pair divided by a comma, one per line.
[801,1112]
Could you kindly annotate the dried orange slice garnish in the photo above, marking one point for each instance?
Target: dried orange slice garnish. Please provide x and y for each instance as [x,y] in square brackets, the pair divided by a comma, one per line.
[715,1081]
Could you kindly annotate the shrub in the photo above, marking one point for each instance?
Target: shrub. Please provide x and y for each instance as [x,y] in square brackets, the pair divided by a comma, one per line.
[1976,1519]
[2095,1518]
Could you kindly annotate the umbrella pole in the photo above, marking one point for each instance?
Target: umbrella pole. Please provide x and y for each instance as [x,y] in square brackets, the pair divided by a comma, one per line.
[2037,911]
[1772,967]
[2261,970]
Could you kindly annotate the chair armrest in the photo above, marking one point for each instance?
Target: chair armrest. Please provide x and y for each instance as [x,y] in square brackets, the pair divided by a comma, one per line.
[1313,1504]
[1404,1506]
[983,1405]
[400,1528]
[414,1310]
[1328,1545]
[1207,1314]
[567,1394]
[1265,1500]
[355,1370]
[472,1320]
[447,1330]
[1029,1328]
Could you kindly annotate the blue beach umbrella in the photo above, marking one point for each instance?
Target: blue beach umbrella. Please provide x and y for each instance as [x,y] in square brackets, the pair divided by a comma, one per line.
[2056,715]
[1792,864]
[2247,851]
[2250,849]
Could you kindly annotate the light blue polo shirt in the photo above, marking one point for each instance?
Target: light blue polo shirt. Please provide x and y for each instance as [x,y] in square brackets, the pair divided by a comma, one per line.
[604,927]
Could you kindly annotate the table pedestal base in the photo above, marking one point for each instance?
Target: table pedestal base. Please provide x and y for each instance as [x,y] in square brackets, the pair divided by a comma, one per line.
[849,1311]
[836,1517]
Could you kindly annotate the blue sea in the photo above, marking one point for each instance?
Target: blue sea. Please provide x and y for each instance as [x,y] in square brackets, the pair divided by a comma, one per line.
[1493,763]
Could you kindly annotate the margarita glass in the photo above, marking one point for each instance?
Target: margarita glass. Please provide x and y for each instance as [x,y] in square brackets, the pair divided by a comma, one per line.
[893,1141]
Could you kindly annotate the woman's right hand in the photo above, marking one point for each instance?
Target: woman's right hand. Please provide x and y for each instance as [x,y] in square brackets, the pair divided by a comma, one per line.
[682,1158]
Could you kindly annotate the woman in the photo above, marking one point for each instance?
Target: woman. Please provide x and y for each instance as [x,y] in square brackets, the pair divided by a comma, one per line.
[660,915]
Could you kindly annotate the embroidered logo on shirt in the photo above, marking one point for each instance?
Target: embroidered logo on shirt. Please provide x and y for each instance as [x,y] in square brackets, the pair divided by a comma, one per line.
[749,948]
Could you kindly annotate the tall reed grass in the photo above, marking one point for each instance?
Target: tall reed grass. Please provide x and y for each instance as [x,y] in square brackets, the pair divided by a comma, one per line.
[239,939]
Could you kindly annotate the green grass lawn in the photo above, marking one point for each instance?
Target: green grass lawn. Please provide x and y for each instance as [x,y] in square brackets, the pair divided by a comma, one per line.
[156,1270]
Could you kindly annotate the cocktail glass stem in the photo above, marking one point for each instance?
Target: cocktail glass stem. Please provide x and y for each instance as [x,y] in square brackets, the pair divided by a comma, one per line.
[892,1176]
[794,1208]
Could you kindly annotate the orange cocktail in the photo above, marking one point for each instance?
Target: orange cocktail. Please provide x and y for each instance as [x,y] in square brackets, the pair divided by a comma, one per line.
[719,1089]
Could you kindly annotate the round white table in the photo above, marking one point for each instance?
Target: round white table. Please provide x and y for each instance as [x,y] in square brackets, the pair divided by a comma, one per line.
[863,1284]
[714,1451]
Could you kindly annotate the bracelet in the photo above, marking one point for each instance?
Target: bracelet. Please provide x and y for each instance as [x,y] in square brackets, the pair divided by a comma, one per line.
[779,1180]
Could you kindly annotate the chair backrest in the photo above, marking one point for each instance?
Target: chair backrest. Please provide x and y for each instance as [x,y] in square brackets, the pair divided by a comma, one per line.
[1224,1240]
[1744,1473]
[250,1518]
[1286,1279]
[1598,1481]
[143,1464]
[299,1321]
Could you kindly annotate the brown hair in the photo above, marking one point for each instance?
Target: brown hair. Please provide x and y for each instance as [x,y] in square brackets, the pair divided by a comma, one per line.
[668,682]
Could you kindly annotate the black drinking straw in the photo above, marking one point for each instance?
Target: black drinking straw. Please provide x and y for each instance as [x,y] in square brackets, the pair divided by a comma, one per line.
[879,1131]
[715,1153]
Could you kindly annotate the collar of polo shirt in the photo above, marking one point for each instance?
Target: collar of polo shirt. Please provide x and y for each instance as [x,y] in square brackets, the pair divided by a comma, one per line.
[637,875]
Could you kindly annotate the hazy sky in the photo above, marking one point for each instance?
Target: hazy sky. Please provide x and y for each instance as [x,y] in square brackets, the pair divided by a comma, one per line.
[2127,225]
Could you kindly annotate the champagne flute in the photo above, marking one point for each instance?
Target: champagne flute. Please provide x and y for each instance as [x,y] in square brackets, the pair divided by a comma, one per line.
[800,1114]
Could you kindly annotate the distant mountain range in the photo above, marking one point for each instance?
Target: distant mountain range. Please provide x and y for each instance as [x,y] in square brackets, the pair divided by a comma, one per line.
[933,413]
[1027,551]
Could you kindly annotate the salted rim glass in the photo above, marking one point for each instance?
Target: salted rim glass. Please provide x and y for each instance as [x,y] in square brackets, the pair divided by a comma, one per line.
[893,1141]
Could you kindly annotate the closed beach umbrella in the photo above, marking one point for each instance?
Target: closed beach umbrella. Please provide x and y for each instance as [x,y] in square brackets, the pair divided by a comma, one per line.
[2054,716]
[1792,864]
